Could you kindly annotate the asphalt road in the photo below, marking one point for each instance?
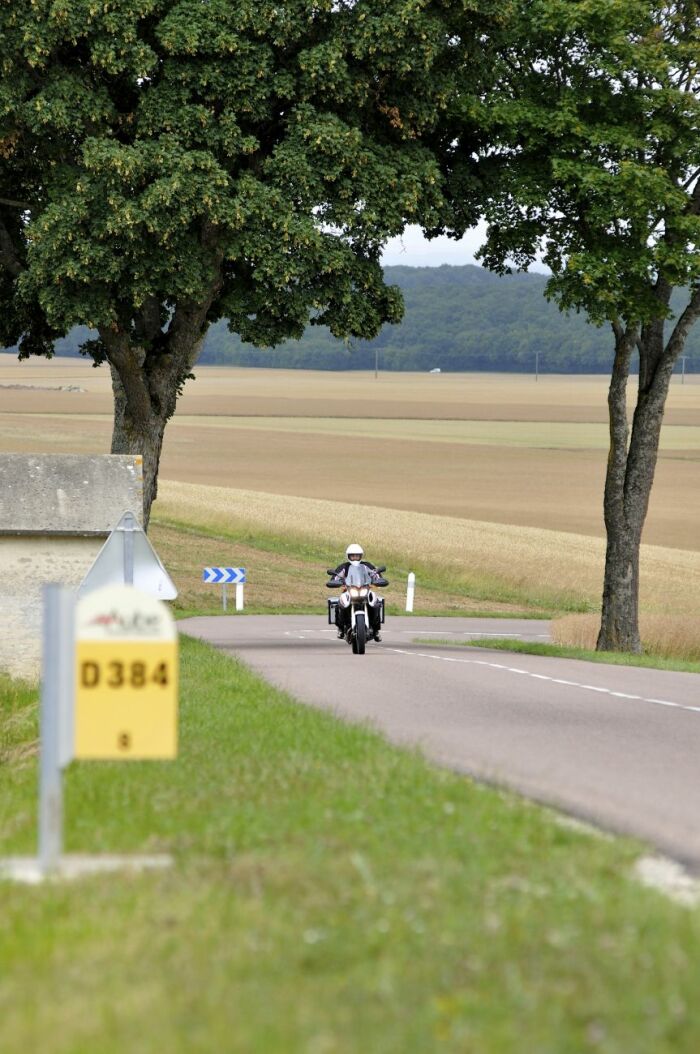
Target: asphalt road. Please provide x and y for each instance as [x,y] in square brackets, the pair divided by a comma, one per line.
[617,746]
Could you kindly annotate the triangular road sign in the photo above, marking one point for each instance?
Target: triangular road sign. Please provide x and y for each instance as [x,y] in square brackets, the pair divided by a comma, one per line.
[127,557]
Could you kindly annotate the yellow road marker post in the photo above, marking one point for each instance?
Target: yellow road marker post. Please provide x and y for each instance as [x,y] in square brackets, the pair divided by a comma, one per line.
[126,676]
[109,691]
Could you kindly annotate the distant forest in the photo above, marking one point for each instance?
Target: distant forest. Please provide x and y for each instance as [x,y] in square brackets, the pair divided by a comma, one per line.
[456,319]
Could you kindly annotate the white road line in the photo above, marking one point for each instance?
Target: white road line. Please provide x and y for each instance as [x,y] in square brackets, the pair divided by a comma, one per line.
[543,677]
[470,633]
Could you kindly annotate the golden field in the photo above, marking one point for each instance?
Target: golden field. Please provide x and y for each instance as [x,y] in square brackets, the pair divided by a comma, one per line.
[671,636]
[498,449]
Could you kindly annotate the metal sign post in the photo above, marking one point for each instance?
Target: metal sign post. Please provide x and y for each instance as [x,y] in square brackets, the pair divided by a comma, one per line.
[128,525]
[128,558]
[224,576]
[56,720]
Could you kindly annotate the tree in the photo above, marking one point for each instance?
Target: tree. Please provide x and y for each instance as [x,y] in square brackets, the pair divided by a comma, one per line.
[594,143]
[167,163]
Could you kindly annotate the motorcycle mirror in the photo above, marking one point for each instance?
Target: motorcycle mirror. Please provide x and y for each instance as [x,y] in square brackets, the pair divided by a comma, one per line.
[330,570]
[380,569]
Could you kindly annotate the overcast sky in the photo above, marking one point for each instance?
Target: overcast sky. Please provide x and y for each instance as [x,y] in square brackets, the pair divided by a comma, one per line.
[413,250]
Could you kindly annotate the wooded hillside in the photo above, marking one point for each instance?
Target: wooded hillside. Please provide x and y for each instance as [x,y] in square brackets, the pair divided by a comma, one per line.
[457,318]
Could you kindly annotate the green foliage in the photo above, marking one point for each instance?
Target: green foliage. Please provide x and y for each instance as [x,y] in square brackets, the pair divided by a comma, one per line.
[594,131]
[248,158]
[456,318]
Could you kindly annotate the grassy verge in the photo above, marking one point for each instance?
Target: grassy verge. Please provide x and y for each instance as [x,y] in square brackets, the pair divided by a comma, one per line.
[675,637]
[287,575]
[559,651]
[331,893]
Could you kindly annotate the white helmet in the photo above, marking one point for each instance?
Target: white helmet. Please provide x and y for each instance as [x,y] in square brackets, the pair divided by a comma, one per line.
[354,550]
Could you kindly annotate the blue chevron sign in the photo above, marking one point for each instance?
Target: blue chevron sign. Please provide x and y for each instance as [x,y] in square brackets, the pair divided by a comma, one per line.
[224,575]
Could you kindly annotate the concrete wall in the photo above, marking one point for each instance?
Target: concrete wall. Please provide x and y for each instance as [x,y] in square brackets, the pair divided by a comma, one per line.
[56,511]
[25,564]
[68,493]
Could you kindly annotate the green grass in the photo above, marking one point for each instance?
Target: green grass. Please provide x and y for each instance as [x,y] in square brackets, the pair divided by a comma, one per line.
[331,893]
[560,651]
[448,596]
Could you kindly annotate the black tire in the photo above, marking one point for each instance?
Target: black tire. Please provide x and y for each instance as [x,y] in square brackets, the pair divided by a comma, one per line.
[360,635]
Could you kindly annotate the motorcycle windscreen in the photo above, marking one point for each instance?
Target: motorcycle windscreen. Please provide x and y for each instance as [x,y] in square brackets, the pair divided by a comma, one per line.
[358,575]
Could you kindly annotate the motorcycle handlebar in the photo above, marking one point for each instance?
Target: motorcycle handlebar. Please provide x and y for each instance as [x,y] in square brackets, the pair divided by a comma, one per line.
[337,583]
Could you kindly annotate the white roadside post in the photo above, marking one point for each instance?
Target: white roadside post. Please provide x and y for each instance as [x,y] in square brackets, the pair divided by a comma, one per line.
[56,720]
[410,591]
[239,596]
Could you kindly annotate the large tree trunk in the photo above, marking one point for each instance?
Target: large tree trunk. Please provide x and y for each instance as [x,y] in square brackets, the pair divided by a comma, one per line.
[631,466]
[619,630]
[150,363]
[146,388]
[138,430]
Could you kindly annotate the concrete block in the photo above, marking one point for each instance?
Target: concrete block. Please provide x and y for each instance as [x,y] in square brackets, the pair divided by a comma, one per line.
[55,512]
[74,494]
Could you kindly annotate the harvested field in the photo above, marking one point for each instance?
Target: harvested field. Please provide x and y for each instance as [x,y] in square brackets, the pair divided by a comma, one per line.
[223,391]
[484,447]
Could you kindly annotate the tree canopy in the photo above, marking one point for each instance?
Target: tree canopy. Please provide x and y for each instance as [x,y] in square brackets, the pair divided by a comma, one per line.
[594,136]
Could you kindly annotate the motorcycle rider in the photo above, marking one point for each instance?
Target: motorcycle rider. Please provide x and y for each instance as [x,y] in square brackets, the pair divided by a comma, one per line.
[355,554]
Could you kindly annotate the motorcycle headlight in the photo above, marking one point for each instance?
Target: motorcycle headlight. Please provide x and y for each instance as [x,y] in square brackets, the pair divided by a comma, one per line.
[358,591]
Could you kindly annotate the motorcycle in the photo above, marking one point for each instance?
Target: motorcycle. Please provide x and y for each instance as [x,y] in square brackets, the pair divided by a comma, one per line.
[358,597]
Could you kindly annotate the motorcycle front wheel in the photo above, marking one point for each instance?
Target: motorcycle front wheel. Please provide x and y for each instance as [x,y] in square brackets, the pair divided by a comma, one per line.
[360,635]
